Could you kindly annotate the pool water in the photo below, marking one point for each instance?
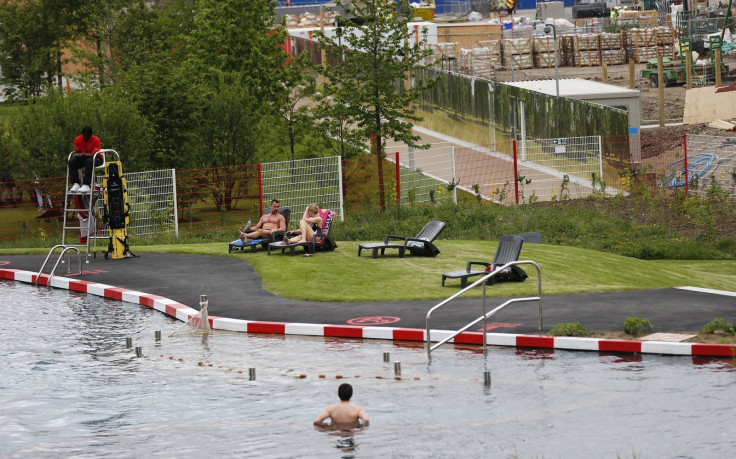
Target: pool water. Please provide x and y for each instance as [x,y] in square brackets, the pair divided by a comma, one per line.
[70,387]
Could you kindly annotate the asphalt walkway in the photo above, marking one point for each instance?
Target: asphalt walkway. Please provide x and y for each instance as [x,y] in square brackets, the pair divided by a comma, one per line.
[235,291]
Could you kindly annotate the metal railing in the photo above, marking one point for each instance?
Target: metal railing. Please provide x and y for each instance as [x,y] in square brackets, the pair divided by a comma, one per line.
[482,281]
[65,251]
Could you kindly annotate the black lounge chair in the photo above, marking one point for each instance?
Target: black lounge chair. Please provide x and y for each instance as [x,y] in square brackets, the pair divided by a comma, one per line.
[508,250]
[532,238]
[252,245]
[321,240]
[421,245]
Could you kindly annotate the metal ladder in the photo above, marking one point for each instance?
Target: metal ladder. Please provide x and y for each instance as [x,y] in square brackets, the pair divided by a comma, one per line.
[486,315]
[92,197]
[66,251]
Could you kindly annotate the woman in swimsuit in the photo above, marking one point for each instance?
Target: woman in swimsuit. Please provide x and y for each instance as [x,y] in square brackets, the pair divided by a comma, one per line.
[310,222]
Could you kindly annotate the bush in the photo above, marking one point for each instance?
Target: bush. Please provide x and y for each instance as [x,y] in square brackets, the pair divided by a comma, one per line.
[719,324]
[635,325]
[569,329]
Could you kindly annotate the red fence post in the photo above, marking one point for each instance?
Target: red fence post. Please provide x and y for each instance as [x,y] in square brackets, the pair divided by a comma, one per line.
[398,180]
[684,137]
[260,191]
[516,175]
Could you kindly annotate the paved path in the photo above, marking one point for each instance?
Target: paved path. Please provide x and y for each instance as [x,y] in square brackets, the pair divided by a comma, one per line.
[235,291]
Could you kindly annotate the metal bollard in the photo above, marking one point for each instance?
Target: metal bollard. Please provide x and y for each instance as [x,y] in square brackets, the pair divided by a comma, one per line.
[157,335]
[397,368]
[128,343]
[487,378]
[251,374]
[386,357]
[138,351]
[203,304]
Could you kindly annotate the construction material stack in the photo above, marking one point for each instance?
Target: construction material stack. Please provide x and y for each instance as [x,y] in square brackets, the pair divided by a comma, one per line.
[586,49]
[665,41]
[641,44]
[517,53]
[544,52]
[478,62]
[445,54]
[612,48]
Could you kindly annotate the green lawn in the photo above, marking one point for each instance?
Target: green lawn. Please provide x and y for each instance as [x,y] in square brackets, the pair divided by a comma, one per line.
[343,276]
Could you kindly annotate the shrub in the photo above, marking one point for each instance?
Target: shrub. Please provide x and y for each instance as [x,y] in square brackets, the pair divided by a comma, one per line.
[635,325]
[569,329]
[719,324]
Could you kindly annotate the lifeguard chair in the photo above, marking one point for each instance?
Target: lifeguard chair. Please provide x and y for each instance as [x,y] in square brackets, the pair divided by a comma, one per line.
[85,203]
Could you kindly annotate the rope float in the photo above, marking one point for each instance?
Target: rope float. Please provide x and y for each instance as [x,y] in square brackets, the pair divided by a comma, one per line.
[252,371]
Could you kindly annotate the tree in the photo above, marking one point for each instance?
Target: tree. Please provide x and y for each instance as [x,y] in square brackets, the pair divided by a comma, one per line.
[239,37]
[29,43]
[375,51]
[43,132]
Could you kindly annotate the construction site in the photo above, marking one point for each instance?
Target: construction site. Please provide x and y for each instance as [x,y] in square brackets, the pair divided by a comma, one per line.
[501,42]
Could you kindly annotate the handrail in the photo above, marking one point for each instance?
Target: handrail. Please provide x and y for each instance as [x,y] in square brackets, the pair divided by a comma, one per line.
[61,255]
[486,315]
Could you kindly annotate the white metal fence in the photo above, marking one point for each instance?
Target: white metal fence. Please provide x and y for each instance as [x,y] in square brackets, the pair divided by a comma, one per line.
[561,168]
[152,199]
[547,169]
[425,174]
[298,183]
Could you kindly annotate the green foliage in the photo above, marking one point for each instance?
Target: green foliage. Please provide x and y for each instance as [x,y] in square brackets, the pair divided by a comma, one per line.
[32,36]
[237,37]
[365,92]
[719,324]
[172,103]
[636,325]
[44,132]
[569,329]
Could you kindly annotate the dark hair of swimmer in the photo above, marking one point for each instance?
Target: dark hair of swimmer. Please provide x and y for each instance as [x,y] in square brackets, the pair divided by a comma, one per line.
[345,391]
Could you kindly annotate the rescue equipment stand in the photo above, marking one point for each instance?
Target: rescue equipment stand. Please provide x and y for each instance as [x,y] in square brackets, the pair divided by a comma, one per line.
[116,211]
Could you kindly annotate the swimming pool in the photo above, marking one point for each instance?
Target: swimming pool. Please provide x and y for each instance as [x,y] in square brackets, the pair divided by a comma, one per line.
[70,387]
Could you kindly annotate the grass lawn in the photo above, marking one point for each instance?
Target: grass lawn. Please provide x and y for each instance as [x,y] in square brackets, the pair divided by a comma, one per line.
[343,276]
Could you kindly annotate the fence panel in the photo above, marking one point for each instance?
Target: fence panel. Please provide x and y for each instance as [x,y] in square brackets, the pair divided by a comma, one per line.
[660,153]
[425,174]
[711,161]
[152,200]
[368,183]
[487,172]
[217,198]
[32,208]
[560,168]
[298,183]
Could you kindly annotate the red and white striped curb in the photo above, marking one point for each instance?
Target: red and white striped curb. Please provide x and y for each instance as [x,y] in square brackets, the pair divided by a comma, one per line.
[183,312]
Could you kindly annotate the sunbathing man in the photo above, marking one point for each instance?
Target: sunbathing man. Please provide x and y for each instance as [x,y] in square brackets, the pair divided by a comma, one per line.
[310,222]
[269,223]
[343,413]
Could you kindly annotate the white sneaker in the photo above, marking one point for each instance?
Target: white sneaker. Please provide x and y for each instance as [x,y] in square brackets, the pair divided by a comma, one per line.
[84,189]
[74,188]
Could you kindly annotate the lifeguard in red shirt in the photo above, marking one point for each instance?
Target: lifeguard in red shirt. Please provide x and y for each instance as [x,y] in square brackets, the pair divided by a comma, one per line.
[85,147]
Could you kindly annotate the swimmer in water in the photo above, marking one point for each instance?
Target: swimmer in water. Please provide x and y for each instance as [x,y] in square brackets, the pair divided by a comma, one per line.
[343,413]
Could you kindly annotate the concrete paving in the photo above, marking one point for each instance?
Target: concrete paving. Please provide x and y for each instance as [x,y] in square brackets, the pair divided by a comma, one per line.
[235,291]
